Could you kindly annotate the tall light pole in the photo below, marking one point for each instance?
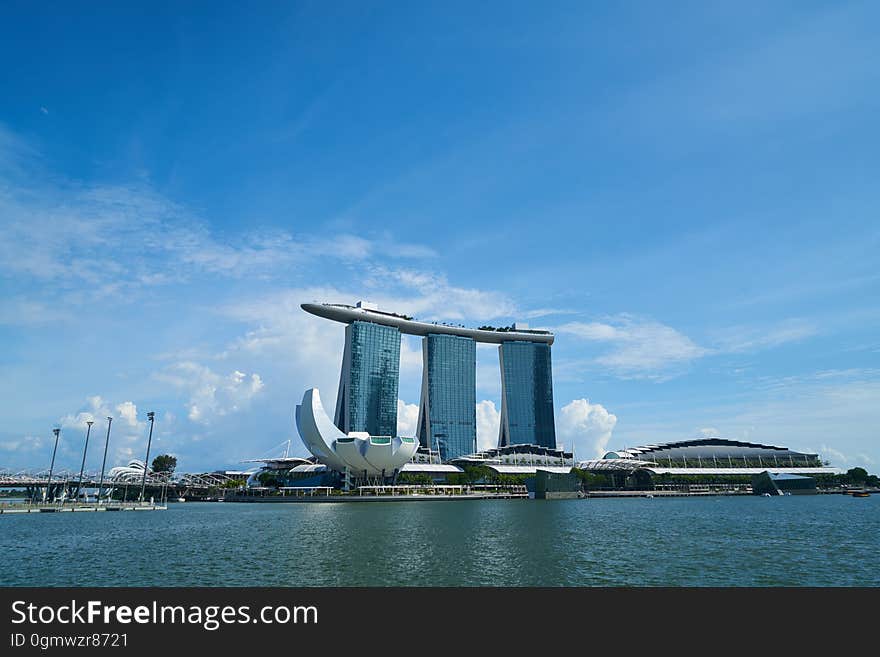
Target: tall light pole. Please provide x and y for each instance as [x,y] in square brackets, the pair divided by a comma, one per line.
[57,432]
[104,462]
[83,466]
[151,417]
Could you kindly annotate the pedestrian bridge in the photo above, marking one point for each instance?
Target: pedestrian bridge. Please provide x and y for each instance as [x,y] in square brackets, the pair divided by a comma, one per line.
[116,478]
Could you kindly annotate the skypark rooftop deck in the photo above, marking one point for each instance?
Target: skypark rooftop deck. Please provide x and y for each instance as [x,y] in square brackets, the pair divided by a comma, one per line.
[347,314]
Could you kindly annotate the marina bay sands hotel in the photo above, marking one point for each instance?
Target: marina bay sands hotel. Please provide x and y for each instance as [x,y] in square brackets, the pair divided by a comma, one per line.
[367,398]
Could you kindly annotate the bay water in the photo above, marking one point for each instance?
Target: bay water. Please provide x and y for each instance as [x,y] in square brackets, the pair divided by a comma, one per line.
[820,540]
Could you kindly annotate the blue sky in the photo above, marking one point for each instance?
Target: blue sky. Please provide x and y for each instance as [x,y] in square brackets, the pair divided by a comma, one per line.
[686,193]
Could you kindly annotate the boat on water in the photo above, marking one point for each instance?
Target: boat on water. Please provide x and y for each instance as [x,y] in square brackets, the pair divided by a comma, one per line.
[861,493]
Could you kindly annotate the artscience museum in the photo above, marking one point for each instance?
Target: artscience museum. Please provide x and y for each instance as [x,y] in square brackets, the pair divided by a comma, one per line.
[356,453]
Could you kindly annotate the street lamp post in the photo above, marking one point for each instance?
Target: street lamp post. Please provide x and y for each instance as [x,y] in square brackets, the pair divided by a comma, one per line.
[57,432]
[151,417]
[104,462]
[83,466]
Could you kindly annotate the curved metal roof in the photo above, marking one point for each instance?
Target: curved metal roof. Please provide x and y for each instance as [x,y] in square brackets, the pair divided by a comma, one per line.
[743,471]
[631,465]
[442,468]
[348,314]
[703,447]
[503,468]
[627,465]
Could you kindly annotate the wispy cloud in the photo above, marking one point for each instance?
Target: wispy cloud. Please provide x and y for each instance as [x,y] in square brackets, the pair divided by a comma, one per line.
[135,236]
[429,296]
[68,242]
[544,312]
[19,311]
[645,348]
[640,348]
[750,338]
[345,246]
[25,444]
[834,414]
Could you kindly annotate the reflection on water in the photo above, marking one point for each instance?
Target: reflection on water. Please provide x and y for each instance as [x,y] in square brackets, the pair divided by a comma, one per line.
[717,541]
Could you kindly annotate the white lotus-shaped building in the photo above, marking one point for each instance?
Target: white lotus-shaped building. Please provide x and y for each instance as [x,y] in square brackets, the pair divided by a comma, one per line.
[360,453]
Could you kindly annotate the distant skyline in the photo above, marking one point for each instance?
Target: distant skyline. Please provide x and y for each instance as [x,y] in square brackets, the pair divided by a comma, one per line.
[685,194]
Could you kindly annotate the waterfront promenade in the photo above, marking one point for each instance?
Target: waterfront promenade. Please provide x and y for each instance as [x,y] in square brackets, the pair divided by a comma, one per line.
[49,507]
[382,493]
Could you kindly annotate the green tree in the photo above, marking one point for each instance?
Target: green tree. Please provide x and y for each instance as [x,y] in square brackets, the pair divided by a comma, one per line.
[476,473]
[270,479]
[414,479]
[857,475]
[591,480]
[164,463]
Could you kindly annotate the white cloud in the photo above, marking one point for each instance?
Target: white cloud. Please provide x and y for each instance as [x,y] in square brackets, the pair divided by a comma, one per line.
[312,347]
[407,418]
[641,348]
[306,349]
[344,246]
[488,424]
[743,339]
[349,247]
[429,296]
[410,356]
[835,415]
[708,432]
[113,239]
[64,234]
[96,409]
[128,413]
[840,459]
[128,434]
[586,428]
[543,312]
[81,242]
[405,250]
[211,394]
[25,444]
[27,312]
[832,455]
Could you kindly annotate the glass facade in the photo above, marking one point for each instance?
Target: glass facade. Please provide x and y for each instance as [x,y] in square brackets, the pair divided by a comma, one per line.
[526,394]
[447,414]
[367,399]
